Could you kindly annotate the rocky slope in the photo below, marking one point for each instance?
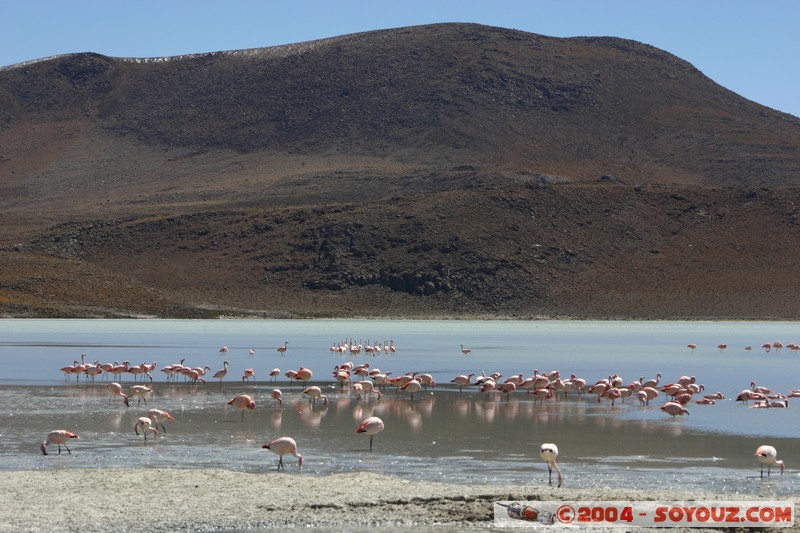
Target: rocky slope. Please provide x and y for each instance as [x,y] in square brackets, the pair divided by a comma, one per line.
[445,170]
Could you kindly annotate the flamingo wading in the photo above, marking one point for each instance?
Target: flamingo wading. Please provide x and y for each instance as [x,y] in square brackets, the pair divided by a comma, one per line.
[549,454]
[284,446]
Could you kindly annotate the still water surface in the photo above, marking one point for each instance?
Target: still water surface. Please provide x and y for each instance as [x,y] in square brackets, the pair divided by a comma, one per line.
[443,434]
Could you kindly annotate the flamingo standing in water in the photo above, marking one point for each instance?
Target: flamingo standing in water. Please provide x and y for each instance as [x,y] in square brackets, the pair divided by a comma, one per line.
[549,454]
[116,390]
[674,409]
[466,351]
[59,436]
[242,402]
[315,392]
[221,373]
[371,426]
[303,374]
[411,387]
[140,391]
[277,395]
[692,347]
[282,349]
[274,373]
[768,455]
[158,416]
[145,424]
[249,373]
[461,381]
[284,446]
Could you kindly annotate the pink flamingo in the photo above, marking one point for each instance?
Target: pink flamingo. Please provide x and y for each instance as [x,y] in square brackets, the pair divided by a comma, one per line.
[145,424]
[140,391]
[768,455]
[303,374]
[221,373]
[116,390]
[466,351]
[282,349]
[249,373]
[277,395]
[158,416]
[59,436]
[284,446]
[242,402]
[507,388]
[275,372]
[67,370]
[371,426]
[411,387]
[652,382]
[674,409]
[692,347]
[462,381]
[368,387]
[549,454]
[315,392]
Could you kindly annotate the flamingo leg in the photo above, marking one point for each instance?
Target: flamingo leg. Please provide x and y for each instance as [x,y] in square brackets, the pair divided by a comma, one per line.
[549,475]
[370,442]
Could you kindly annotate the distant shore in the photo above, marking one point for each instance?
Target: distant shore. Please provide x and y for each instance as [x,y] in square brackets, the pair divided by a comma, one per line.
[144,499]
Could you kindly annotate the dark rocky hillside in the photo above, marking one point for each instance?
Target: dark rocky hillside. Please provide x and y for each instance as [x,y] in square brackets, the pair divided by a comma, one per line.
[446,170]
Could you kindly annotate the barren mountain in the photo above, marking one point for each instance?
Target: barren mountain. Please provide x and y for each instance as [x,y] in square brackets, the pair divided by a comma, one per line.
[445,170]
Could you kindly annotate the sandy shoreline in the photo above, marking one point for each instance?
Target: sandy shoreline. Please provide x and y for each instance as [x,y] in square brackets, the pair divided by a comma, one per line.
[128,500]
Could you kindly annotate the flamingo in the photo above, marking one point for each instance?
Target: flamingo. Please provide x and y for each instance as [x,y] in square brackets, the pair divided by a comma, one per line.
[692,347]
[652,382]
[368,387]
[722,347]
[412,387]
[223,350]
[768,455]
[277,395]
[274,373]
[249,373]
[140,391]
[461,381]
[315,392]
[67,370]
[116,390]
[145,424]
[282,349]
[251,352]
[284,446]
[158,416]
[371,426]
[221,373]
[549,454]
[507,388]
[59,436]
[242,402]
[466,351]
[303,374]
[674,409]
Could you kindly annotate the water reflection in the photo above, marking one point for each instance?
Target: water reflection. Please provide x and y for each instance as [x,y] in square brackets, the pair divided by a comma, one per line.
[442,433]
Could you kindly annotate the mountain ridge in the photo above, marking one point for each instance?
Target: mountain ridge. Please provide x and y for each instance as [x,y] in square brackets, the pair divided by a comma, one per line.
[361,156]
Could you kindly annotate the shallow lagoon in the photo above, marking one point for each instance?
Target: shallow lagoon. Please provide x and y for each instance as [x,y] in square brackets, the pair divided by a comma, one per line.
[443,434]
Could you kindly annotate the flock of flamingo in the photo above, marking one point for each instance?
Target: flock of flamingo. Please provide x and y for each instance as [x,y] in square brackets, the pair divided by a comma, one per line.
[365,382]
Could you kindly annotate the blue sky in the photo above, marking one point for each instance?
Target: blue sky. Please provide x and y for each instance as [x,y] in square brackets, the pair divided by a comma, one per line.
[750,47]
